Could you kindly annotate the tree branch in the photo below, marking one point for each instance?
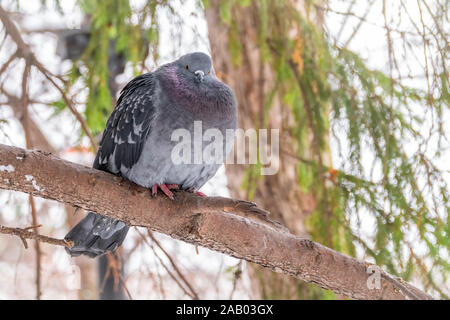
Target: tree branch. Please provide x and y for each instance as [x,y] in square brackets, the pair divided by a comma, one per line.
[24,234]
[233,227]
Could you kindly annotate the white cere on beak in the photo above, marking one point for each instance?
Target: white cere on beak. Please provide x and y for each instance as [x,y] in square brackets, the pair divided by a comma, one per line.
[199,74]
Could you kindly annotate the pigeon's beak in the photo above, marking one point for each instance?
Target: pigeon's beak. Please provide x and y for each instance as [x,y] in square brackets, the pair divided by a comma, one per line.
[199,74]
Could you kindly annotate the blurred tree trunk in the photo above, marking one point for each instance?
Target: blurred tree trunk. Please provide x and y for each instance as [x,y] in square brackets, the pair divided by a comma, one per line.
[110,276]
[280,193]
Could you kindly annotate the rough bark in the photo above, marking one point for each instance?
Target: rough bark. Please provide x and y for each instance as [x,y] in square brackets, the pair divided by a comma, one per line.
[233,227]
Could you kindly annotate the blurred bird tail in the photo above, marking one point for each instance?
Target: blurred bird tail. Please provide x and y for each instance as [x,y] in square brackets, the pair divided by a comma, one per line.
[96,235]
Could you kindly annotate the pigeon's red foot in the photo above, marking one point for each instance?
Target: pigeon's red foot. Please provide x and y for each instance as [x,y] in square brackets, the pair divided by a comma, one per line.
[201,194]
[166,189]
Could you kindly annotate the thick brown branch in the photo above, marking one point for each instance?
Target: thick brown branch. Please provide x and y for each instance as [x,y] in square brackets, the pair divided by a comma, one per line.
[225,225]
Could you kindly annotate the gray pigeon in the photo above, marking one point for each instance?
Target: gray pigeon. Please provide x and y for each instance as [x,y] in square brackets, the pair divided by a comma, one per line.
[137,143]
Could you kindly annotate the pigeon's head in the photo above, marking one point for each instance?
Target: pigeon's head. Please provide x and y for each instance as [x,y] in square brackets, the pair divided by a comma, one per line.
[192,82]
[196,66]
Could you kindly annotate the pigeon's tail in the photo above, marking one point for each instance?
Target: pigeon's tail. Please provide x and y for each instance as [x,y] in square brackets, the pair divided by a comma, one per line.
[96,235]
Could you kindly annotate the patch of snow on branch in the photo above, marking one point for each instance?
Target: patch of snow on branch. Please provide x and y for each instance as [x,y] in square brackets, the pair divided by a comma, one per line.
[8,168]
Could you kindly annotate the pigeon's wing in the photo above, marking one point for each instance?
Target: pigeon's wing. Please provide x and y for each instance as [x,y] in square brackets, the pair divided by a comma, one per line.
[128,126]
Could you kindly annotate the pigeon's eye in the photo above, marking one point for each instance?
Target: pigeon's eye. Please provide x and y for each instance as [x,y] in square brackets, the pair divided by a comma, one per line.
[187,67]
[209,72]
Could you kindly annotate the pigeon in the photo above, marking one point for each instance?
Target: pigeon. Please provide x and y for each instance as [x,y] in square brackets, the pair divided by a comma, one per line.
[137,143]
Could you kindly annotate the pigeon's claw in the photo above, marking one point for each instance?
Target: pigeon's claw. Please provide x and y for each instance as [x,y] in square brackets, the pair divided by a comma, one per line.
[201,194]
[154,190]
[166,189]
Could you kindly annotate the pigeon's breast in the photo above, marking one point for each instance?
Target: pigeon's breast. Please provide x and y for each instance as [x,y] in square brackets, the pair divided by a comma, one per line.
[160,163]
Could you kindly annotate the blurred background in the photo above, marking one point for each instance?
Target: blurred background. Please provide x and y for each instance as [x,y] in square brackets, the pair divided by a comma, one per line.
[358,89]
